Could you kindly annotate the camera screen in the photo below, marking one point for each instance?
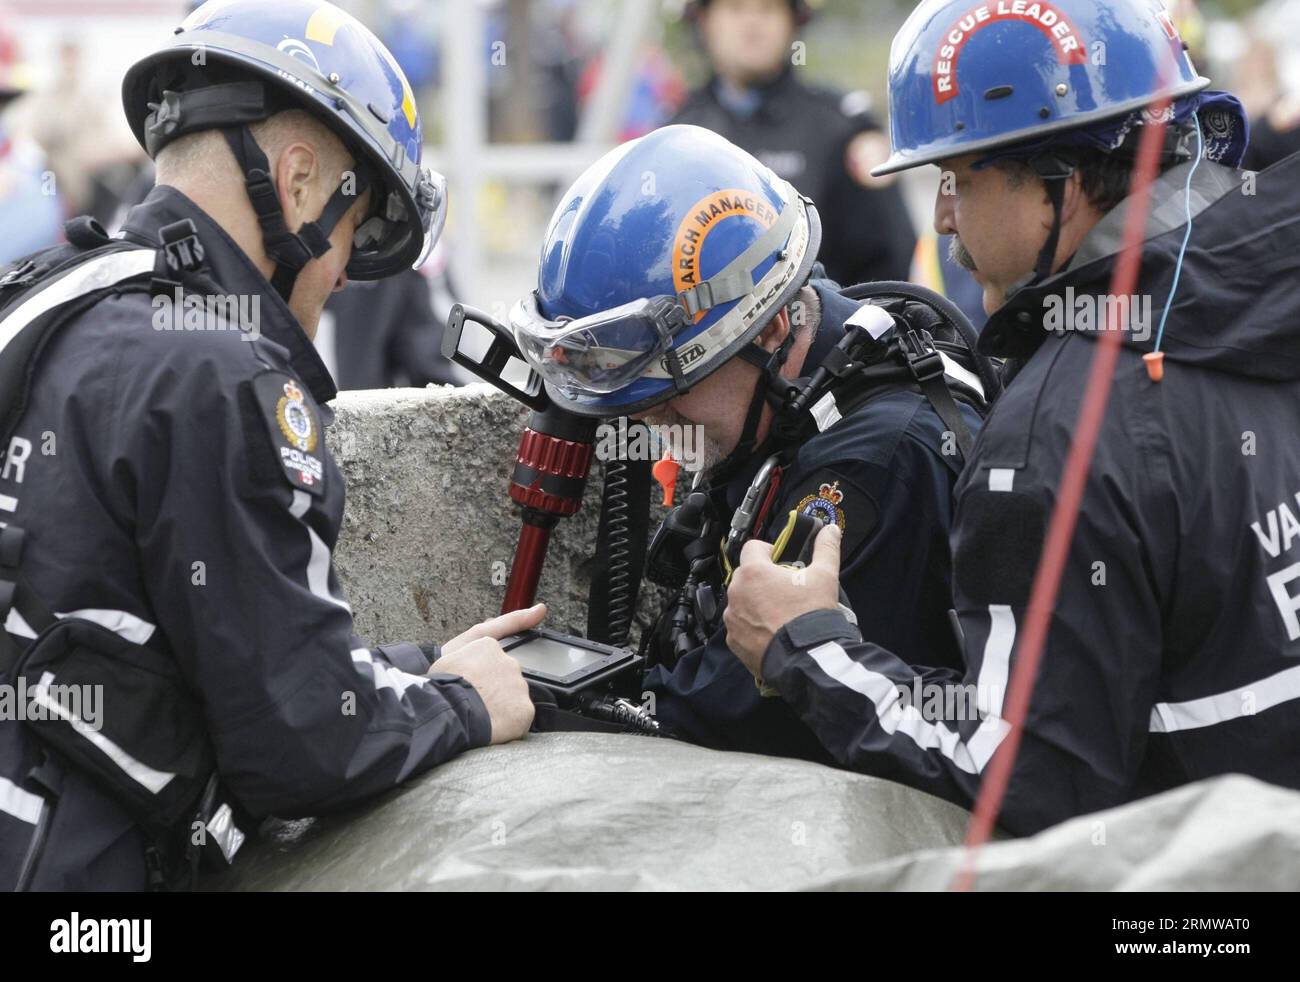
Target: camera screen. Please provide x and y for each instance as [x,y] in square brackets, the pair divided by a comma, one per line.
[545,656]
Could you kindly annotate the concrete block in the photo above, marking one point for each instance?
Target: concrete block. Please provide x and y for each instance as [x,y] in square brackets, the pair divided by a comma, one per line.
[429,531]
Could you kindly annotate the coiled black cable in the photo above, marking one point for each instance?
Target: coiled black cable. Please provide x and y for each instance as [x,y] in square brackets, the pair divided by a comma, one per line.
[620,544]
[620,601]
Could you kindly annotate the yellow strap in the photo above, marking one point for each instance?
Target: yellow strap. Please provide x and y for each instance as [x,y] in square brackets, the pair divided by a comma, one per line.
[778,547]
[783,540]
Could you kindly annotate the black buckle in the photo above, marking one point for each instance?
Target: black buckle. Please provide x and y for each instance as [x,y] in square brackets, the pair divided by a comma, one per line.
[923,359]
[11,553]
[20,275]
[165,116]
[11,547]
[314,240]
[182,247]
[669,319]
[669,315]
[839,363]
[265,201]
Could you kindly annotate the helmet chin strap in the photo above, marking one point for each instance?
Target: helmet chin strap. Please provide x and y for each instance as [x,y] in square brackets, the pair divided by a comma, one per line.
[771,387]
[290,250]
[1054,170]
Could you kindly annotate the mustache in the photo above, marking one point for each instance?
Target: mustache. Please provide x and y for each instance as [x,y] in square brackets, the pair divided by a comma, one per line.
[959,255]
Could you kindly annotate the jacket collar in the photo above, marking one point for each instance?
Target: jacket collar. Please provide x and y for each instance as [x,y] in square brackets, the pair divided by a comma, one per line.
[234,270]
[772,95]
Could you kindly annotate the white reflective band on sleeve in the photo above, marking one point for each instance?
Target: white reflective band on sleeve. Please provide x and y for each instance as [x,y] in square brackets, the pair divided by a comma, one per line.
[22,805]
[16,625]
[318,566]
[994,673]
[1246,700]
[222,828]
[877,321]
[121,623]
[1002,479]
[826,412]
[144,775]
[961,375]
[385,676]
[7,503]
[86,278]
[897,718]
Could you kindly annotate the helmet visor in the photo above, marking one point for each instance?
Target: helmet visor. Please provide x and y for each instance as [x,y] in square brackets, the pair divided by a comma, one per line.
[602,353]
[389,230]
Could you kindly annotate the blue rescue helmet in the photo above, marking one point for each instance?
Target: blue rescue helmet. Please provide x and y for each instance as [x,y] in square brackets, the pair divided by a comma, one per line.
[236,62]
[974,77]
[662,263]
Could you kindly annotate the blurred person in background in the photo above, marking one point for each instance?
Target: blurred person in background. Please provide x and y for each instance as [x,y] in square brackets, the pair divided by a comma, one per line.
[31,214]
[1272,85]
[388,333]
[824,143]
[657,91]
[94,163]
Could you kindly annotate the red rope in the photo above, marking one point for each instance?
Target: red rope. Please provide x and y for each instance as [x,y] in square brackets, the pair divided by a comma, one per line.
[1056,547]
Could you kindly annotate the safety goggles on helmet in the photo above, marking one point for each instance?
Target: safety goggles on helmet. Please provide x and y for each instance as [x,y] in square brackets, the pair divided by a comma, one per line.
[388,229]
[602,353]
[605,352]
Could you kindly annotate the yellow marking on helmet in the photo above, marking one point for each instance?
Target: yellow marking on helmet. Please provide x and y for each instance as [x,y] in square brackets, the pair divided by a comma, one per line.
[701,219]
[408,97]
[323,26]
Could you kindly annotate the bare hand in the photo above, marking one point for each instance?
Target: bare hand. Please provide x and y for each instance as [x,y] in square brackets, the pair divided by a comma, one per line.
[515,622]
[497,679]
[764,597]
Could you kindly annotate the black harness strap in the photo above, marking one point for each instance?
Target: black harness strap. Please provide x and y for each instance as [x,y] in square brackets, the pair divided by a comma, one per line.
[926,366]
[769,389]
[290,250]
[211,107]
[1054,169]
[16,593]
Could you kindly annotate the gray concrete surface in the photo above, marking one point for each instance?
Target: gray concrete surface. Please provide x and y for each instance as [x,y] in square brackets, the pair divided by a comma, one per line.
[429,531]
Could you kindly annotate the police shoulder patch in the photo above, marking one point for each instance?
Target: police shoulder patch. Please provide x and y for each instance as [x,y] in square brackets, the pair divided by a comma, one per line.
[833,498]
[294,424]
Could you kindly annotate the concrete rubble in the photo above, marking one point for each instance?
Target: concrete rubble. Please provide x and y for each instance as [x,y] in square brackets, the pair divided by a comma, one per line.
[430,531]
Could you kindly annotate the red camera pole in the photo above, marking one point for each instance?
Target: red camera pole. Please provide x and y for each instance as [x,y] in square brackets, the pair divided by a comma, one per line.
[550,477]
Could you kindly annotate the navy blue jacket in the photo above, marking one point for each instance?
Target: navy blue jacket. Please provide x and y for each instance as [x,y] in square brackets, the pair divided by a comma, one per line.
[175,487]
[890,462]
[1173,651]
